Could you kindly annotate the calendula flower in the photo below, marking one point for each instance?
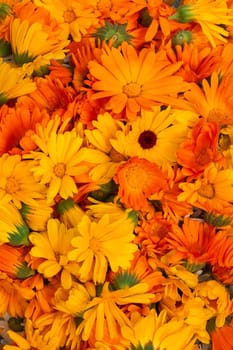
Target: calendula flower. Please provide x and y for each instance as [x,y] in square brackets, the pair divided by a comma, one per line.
[53,247]
[14,82]
[13,229]
[13,263]
[70,213]
[75,18]
[198,63]
[131,81]
[191,241]
[104,312]
[217,299]
[212,191]
[17,126]
[36,216]
[33,338]
[30,40]
[213,100]
[154,136]
[209,15]
[59,163]
[222,337]
[17,183]
[94,246]
[141,332]
[200,148]
[138,179]
[14,297]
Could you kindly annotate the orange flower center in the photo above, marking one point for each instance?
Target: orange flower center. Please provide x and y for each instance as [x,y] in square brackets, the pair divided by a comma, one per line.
[207,191]
[147,139]
[217,115]
[69,16]
[94,244]
[132,89]
[136,175]
[59,169]
[12,185]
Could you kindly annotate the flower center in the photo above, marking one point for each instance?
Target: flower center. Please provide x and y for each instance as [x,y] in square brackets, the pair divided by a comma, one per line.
[12,185]
[218,115]
[147,139]
[207,191]
[94,245]
[132,89]
[59,169]
[135,176]
[69,16]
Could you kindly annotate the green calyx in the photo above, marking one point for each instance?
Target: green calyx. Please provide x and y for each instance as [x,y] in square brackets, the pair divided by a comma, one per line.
[124,280]
[217,220]
[19,236]
[5,10]
[65,205]
[183,14]
[16,324]
[24,271]
[22,58]
[181,37]
[114,32]
[147,346]
[5,48]
[3,99]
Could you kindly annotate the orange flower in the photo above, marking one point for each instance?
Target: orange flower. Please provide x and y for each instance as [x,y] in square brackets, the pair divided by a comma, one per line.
[17,126]
[197,63]
[222,338]
[213,100]
[191,241]
[200,149]
[132,81]
[138,179]
[12,262]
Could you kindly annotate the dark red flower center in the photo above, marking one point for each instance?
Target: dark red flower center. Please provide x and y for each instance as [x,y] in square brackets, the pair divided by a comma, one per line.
[147,139]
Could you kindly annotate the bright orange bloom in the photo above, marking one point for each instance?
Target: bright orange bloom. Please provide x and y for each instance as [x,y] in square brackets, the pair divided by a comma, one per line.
[197,63]
[213,100]
[17,126]
[191,241]
[132,81]
[222,338]
[201,147]
[138,179]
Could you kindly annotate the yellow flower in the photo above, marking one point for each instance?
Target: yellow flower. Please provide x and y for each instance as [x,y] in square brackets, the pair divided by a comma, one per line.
[72,301]
[105,128]
[37,215]
[216,298]
[212,15]
[95,246]
[13,229]
[60,163]
[103,313]
[75,17]
[33,339]
[17,183]
[155,136]
[212,191]
[53,246]
[14,82]
[29,41]
[143,329]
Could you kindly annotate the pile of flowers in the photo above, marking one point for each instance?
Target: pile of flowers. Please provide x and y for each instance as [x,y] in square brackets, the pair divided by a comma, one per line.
[116,175]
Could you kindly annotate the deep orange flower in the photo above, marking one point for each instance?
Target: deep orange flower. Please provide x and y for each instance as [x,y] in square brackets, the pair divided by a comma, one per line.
[132,81]
[197,63]
[222,338]
[190,242]
[201,147]
[213,100]
[17,126]
[138,179]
